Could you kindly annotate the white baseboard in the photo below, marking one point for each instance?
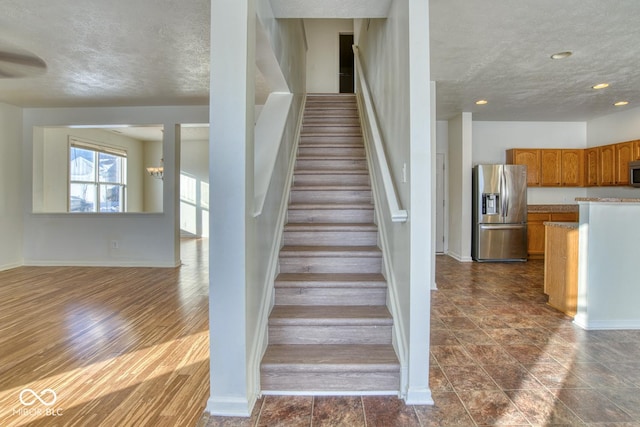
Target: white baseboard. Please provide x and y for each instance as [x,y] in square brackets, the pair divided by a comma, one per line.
[102,263]
[459,257]
[331,393]
[230,407]
[419,397]
[10,266]
[595,325]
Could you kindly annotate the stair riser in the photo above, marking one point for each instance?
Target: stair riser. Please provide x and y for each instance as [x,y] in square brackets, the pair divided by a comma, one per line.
[331,164]
[330,139]
[339,130]
[330,196]
[330,238]
[347,113]
[330,102]
[330,296]
[309,334]
[331,179]
[322,264]
[331,120]
[331,216]
[332,151]
[329,381]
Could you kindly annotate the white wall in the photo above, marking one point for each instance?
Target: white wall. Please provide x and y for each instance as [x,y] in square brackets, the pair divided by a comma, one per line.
[142,239]
[323,56]
[619,127]
[243,250]
[461,140]
[11,194]
[492,139]
[395,62]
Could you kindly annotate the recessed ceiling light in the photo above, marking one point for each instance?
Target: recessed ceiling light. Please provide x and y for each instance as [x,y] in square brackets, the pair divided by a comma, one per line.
[621,103]
[482,102]
[561,55]
[600,86]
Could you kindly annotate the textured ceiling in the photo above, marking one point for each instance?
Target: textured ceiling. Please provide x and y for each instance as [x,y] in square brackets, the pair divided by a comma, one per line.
[156,52]
[500,51]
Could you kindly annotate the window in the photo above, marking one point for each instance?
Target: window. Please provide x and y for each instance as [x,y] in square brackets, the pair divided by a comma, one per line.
[97,177]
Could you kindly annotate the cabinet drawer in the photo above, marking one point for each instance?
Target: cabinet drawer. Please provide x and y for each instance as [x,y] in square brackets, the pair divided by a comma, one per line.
[538,217]
[564,216]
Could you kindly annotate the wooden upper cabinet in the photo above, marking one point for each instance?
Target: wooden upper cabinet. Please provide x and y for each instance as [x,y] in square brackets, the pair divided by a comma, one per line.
[530,158]
[573,168]
[551,167]
[636,150]
[591,167]
[623,155]
[607,165]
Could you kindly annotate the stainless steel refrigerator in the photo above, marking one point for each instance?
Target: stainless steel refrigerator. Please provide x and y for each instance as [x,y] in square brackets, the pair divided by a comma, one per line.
[499,213]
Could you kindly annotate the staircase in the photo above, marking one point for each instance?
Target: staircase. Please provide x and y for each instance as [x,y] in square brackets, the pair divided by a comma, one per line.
[330,330]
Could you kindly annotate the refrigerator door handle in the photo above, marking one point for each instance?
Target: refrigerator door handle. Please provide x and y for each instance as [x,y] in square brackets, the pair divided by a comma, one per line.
[505,198]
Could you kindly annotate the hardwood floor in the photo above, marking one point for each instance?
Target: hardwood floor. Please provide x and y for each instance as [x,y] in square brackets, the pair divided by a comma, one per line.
[117,346]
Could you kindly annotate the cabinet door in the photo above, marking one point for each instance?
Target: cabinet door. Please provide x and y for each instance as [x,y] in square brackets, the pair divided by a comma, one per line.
[573,168]
[607,165]
[550,167]
[591,167]
[530,158]
[636,150]
[624,154]
[535,234]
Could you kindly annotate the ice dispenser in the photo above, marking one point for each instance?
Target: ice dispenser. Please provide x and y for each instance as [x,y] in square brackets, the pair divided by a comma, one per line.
[490,204]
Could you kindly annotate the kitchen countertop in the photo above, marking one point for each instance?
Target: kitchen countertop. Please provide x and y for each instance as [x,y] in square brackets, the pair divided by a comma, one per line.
[552,208]
[569,225]
[607,200]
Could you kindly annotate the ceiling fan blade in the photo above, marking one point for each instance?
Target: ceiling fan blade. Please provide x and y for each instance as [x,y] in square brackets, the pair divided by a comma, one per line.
[22,59]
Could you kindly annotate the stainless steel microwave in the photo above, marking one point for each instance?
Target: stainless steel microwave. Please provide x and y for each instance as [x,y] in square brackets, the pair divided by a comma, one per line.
[634,173]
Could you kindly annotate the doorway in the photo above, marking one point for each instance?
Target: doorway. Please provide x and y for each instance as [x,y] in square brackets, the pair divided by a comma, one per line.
[346,63]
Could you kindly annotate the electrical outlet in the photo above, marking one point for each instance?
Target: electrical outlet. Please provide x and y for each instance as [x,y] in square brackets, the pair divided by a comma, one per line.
[115,244]
[404,173]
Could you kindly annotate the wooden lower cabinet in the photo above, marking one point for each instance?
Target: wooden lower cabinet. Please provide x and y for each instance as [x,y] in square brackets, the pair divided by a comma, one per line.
[561,268]
[536,232]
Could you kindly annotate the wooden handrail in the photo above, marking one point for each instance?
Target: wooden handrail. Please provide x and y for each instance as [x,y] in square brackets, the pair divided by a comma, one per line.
[397,214]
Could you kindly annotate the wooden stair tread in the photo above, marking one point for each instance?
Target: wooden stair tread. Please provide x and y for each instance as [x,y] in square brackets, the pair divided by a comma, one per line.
[329,315]
[329,226]
[342,357]
[331,172]
[329,157]
[365,206]
[328,251]
[331,188]
[330,279]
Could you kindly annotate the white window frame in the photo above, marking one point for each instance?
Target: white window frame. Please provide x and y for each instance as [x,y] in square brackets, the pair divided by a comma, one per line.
[75,142]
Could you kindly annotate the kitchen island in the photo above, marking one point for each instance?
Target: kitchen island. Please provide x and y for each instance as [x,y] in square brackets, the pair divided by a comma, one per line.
[608,264]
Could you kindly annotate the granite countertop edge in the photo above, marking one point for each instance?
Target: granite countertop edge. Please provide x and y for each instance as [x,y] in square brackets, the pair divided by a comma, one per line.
[607,199]
[569,225]
[553,208]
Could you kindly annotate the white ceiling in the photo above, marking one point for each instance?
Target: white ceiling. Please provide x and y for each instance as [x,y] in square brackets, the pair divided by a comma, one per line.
[156,52]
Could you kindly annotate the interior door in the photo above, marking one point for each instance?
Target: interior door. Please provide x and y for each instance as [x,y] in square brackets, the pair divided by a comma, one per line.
[439,203]
[346,63]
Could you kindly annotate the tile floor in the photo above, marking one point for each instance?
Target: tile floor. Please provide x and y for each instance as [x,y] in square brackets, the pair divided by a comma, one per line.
[499,356]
